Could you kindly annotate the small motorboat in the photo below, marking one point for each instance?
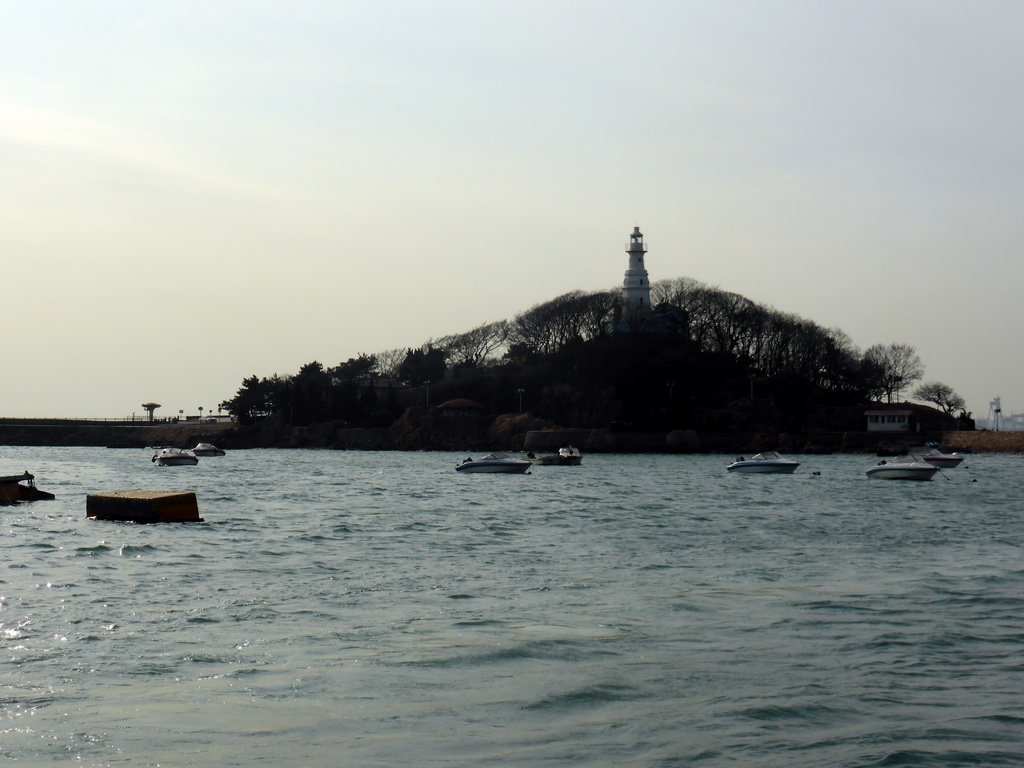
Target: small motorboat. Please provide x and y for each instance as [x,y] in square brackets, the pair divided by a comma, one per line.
[945,460]
[17,488]
[207,449]
[495,462]
[174,457]
[568,456]
[903,468]
[764,462]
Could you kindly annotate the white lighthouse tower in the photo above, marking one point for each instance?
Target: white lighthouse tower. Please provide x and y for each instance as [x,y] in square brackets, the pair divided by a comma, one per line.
[636,287]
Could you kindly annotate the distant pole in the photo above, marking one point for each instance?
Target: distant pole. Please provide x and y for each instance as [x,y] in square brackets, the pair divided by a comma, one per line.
[520,391]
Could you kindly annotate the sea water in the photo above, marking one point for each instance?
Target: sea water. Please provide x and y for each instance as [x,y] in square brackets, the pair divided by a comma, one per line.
[380,609]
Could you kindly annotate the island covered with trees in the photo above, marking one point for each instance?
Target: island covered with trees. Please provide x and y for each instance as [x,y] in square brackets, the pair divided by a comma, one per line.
[702,360]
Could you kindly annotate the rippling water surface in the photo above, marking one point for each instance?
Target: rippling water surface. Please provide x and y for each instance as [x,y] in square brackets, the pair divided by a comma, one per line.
[379,609]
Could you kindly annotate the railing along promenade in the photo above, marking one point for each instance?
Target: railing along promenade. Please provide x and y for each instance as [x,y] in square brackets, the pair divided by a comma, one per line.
[69,422]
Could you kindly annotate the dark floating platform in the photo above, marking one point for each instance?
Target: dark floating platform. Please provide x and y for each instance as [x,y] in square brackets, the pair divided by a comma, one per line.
[139,506]
[18,488]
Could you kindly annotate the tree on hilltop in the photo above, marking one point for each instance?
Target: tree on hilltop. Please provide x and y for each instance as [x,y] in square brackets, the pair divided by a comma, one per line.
[422,366]
[890,368]
[359,368]
[942,395]
[765,340]
[257,398]
[309,393]
[473,348]
[546,328]
[389,361]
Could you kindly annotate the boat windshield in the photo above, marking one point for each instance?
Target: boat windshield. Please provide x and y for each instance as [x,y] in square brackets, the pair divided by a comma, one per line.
[902,460]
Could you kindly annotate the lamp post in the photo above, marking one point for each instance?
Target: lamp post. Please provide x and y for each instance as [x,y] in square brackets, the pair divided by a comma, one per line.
[520,392]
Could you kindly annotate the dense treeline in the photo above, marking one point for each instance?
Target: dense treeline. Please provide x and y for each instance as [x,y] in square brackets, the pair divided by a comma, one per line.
[565,361]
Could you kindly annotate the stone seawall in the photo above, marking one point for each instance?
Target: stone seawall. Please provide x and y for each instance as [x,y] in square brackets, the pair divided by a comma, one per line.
[521,434]
[121,436]
[984,442]
[689,441]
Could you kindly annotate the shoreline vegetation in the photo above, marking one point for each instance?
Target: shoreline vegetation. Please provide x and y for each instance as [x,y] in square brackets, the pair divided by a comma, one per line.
[672,371]
[511,432]
[694,370]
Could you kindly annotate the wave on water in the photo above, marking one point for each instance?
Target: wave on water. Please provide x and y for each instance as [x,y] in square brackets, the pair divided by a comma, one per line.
[591,696]
[359,608]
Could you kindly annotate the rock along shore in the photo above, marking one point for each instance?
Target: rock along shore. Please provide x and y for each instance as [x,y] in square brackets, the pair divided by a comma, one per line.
[512,432]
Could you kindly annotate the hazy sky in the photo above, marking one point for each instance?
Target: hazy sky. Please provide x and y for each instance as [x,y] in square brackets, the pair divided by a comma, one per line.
[195,192]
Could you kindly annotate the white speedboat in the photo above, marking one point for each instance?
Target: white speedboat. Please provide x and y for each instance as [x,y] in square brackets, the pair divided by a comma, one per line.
[207,449]
[945,460]
[174,457]
[903,468]
[568,456]
[495,462]
[764,462]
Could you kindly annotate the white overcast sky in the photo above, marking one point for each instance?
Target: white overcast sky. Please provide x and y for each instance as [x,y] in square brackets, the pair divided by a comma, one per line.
[195,192]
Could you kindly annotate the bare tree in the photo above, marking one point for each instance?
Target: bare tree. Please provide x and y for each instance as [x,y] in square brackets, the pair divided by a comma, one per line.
[574,316]
[840,363]
[534,330]
[941,394]
[678,291]
[771,341]
[593,311]
[474,347]
[389,361]
[894,367]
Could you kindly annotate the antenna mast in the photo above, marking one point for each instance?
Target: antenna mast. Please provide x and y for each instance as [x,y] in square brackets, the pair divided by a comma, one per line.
[995,408]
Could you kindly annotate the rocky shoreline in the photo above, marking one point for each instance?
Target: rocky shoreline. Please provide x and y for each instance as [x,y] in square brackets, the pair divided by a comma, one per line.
[510,432]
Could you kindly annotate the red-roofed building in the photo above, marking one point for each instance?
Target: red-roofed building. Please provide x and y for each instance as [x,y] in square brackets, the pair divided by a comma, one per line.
[460,406]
